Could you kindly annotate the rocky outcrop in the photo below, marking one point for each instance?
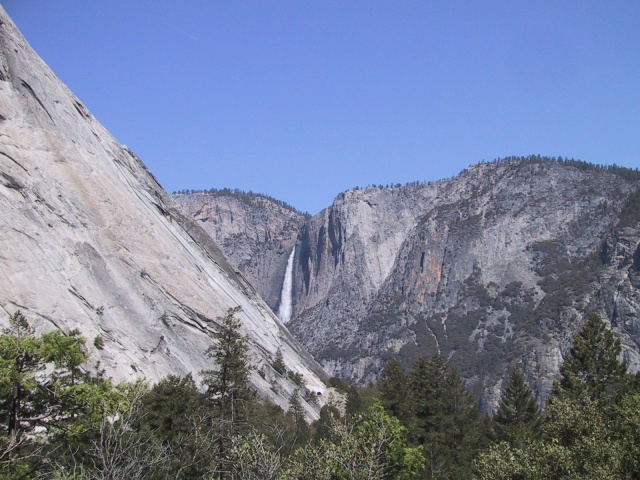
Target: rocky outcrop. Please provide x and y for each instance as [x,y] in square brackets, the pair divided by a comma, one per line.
[618,283]
[89,240]
[256,232]
[494,267]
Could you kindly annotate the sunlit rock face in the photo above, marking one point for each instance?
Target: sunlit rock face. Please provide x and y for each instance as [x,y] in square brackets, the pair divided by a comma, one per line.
[257,234]
[89,240]
[495,267]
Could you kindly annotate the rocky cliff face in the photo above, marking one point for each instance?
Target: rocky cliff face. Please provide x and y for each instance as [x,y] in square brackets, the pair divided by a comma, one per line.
[89,240]
[256,232]
[494,267]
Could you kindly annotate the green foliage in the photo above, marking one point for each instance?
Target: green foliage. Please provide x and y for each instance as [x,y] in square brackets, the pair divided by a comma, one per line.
[630,214]
[296,378]
[227,383]
[167,406]
[591,423]
[445,419]
[593,368]
[579,441]
[338,384]
[112,444]
[395,391]
[31,398]
[98,342]
[174,412]
[368,396]
[322,428]
[21,360]
[230,374]
[58,421]
[54,415]
[301,432]
[519,417]
[626,414]
[254,458]
[353,404]
[372,446]
[278,363]
[309,463]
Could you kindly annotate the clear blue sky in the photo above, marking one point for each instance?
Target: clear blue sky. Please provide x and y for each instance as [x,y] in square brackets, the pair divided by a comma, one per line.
[302,100]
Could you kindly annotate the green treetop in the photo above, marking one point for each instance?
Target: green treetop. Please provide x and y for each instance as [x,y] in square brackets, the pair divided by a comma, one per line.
[592,367]
[518,417]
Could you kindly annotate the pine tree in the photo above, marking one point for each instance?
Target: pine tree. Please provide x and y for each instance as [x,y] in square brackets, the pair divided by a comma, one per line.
[446,419]
[593,367]
[518,417]
[322,427]
[353,404]
[29,397]
[591,421]
[173,412]
[228,382]
[278,362]
[395,392]
[166,408]
[302,432]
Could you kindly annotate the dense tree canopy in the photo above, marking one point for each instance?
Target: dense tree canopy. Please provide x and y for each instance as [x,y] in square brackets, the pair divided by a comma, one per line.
[590,427]
[60,420]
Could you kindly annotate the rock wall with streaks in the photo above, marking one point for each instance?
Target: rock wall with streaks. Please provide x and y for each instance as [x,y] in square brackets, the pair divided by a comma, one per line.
[89,240]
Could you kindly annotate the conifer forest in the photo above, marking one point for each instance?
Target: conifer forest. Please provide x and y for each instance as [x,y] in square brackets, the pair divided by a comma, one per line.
[61,420]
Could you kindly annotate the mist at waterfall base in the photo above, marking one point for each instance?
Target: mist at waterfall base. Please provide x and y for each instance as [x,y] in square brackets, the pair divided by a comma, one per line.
[284,310]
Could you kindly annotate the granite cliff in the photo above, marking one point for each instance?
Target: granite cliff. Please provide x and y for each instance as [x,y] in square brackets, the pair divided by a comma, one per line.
[255,231]
[89,240]
[494,267]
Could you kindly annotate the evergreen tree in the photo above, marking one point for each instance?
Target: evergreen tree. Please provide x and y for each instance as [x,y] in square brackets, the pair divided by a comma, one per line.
[322,427]
[51,410]
[423,399]
[227,383]
[39,377]
[592,368]
[591,423]
[395,392]
[296,410]
[21,362]
[446,421]
[167,406]
[518,417]
[278,362]
[353,403]
[173,411]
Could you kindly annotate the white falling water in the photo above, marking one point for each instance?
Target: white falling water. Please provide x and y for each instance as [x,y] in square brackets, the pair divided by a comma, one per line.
[284,310]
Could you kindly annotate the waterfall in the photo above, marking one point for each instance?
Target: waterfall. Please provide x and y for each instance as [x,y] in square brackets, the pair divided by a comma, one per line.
[284,309]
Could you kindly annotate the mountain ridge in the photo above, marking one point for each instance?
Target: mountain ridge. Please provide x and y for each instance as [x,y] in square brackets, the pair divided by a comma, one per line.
[404,271]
